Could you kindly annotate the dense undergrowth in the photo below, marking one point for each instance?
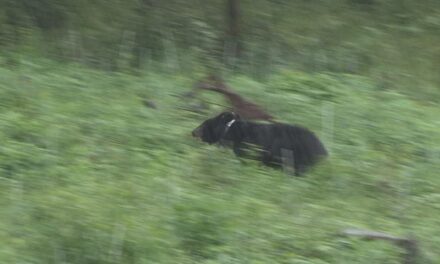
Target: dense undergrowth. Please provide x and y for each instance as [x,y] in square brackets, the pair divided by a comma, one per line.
[88,174]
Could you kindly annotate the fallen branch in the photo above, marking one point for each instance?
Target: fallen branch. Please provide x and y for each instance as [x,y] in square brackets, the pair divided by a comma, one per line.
[407,244]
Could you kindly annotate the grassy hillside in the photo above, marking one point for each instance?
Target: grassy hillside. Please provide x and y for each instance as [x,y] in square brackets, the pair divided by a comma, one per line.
[90,175]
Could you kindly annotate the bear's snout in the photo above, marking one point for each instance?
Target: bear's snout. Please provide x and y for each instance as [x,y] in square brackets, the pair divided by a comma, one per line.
[197,132]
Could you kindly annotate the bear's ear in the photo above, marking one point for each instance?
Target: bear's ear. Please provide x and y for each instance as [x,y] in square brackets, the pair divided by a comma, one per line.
[229,115]
[236,116]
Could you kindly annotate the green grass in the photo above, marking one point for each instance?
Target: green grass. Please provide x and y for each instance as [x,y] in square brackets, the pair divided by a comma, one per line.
[90,175]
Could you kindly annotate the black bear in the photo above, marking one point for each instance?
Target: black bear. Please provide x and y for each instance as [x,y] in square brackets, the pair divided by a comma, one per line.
[278,144]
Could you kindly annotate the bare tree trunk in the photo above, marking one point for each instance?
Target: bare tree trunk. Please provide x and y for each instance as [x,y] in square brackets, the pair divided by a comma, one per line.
[233,31]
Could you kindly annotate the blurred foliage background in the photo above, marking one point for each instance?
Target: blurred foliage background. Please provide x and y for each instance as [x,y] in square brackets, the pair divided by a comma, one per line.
[88,174]
[394,41]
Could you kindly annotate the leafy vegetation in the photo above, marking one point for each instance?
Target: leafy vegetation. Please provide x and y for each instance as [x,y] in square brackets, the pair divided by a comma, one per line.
[90,175]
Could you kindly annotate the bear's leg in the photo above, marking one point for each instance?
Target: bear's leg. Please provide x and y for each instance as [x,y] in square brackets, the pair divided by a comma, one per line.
[288,161]
[267,158]
[238,149]
[270,155]
[300,169]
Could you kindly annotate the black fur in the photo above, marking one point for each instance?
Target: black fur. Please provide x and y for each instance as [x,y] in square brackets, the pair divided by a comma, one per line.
[276,142]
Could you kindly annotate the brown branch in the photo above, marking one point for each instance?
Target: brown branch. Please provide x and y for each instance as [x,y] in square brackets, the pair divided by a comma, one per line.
[246,109]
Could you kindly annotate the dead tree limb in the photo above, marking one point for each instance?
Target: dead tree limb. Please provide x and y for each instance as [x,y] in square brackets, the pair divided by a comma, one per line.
[409,245]
[245,108]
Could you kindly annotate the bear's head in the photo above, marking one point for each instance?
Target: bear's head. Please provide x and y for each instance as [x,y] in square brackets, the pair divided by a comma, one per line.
[214,130]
